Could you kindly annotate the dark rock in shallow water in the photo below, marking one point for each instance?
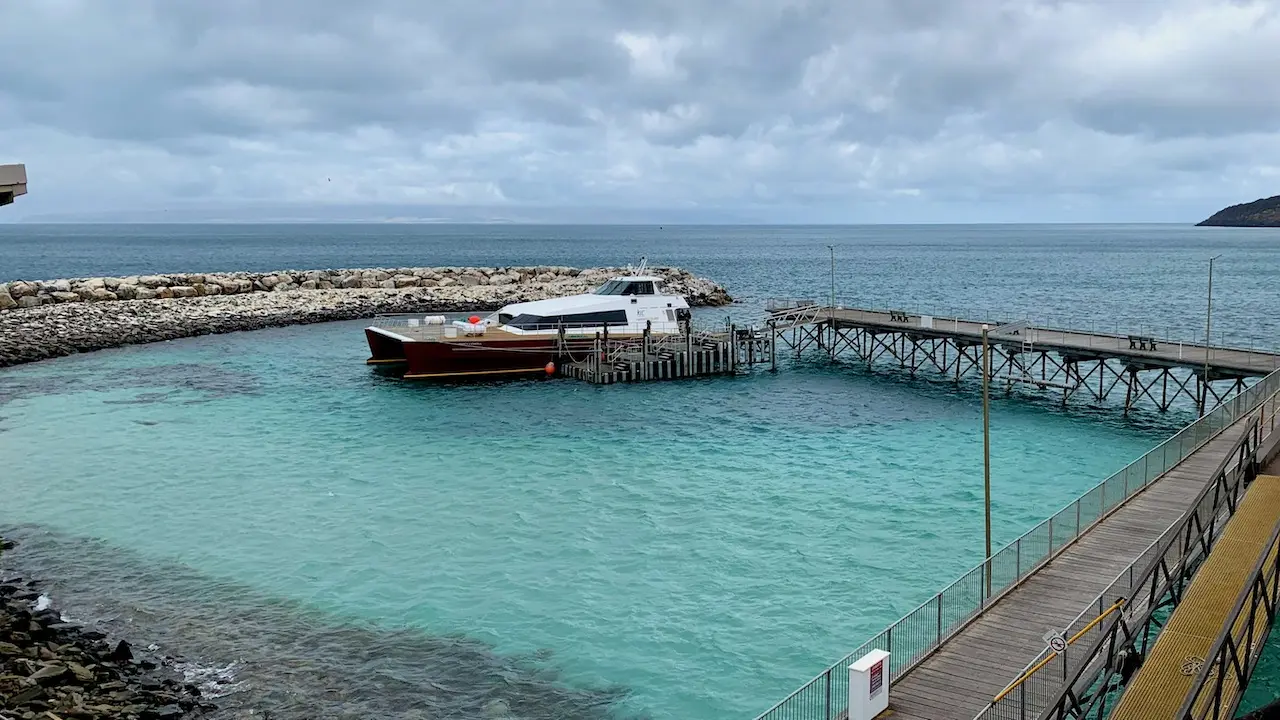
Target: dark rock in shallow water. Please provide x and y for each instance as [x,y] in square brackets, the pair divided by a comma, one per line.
[122,653]
[59,678]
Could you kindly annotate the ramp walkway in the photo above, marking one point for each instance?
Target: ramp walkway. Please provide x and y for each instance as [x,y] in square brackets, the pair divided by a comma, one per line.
[960,679]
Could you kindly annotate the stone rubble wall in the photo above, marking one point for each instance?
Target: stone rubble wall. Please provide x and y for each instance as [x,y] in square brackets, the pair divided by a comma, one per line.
[45,321]
[524,282]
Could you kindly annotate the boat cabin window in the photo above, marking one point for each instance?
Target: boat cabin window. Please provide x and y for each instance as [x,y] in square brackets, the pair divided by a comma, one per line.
[627,287]
[578,320]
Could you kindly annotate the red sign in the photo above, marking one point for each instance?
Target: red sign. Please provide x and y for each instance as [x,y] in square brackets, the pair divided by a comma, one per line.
[877,678]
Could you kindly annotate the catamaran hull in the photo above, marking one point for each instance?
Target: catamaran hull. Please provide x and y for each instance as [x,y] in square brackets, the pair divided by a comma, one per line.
[423,360]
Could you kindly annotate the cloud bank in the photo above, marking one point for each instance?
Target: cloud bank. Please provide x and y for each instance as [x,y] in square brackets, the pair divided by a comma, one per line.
[663,110]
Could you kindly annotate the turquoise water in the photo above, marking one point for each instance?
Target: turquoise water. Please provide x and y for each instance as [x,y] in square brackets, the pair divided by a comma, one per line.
[705,545]
[331,543]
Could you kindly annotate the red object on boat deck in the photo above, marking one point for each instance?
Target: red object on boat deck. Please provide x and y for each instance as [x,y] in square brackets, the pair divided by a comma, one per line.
[474,319]
[551,368]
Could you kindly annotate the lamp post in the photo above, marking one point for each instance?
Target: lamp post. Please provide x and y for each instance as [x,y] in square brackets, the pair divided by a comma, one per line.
[1208,340]
[986,449]
[831,308]
[832,248]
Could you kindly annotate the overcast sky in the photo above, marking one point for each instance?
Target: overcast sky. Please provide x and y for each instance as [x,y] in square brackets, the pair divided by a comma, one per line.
[644,110]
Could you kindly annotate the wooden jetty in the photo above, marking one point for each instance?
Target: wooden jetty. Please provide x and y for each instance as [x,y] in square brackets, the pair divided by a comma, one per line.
[691,353]
[1070,362]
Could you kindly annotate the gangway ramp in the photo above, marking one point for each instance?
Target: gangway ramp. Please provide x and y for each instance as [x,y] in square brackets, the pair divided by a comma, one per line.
[1168,679]
[959,680]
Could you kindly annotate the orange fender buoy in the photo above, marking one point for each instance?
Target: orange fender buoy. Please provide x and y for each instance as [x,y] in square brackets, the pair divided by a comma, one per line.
[551,368]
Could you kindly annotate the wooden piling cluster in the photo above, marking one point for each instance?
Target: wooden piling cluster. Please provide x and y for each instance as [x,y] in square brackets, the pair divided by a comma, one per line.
[669,357]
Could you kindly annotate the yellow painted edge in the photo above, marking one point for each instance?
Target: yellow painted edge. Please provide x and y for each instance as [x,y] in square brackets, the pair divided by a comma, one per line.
[1036,668]
[389,361]
[474,372]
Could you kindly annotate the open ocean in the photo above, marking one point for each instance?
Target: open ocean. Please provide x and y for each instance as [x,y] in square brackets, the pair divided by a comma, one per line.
[319,541]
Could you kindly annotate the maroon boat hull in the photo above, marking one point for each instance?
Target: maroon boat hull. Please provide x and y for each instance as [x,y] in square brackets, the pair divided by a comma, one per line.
[425,359]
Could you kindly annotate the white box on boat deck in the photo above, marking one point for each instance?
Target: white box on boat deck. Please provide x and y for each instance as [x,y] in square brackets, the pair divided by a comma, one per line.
[451,332]
[869,685]
[413,322]
[926,321]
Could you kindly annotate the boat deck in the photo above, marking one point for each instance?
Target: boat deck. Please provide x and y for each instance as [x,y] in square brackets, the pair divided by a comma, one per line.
[413,329]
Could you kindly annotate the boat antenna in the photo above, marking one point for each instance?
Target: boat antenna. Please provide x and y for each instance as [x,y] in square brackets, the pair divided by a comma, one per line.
[644,263]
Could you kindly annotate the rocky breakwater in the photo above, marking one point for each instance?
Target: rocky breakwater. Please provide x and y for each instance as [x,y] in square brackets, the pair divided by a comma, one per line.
[53,670]
[51,318]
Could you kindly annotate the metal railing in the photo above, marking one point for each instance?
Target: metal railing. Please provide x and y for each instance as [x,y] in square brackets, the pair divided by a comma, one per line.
[1117,327]
[1092,681]
[924,629]
[431,325]
[1183,545]
[1238,646]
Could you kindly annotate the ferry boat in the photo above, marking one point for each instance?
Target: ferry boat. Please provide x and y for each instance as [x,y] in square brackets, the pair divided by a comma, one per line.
[528,337]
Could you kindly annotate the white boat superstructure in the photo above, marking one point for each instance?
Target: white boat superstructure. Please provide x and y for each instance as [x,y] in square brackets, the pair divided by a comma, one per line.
[625,304]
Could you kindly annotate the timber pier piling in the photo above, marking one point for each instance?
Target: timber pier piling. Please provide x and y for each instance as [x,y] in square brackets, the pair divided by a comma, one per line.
[1073,363]
[608,360]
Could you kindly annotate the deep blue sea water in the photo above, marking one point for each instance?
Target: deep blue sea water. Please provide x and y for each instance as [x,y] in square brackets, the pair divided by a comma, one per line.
[339,544]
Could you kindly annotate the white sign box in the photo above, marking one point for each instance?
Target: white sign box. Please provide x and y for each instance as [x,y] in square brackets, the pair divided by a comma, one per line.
[869,685]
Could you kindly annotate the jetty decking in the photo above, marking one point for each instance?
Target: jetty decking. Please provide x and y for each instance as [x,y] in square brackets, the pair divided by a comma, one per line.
[962,677]
[1070,361]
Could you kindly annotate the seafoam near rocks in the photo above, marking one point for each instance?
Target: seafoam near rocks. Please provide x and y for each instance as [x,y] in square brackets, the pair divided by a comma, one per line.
[50,318]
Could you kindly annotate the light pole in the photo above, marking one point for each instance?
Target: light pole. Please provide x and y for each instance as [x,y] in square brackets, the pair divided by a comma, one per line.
[1208,340]
[832,248]
[831,308]
[986,449]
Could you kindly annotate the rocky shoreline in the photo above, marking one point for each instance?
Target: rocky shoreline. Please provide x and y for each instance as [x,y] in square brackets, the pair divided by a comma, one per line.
[51,669]
[46,319]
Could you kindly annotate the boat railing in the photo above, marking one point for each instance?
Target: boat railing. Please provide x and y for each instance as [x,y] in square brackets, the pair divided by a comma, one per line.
[441,325]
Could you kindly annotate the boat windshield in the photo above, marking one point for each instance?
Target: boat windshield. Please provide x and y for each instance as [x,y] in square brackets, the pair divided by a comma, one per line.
[627,287]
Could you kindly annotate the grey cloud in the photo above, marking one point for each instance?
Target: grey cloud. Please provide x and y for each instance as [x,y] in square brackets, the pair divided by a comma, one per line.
[910,105]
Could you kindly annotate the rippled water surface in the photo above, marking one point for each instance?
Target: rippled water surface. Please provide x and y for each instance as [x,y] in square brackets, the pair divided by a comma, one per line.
[340,542]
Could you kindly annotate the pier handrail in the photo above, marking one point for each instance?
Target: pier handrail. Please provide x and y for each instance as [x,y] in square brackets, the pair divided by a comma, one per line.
[1181,547]
[1116,327]
[1092,681]
[914,636]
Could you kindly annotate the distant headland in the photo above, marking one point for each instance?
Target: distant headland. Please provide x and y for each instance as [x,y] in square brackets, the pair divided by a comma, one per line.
[1259,213]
